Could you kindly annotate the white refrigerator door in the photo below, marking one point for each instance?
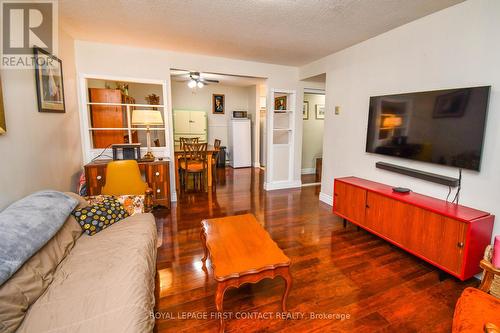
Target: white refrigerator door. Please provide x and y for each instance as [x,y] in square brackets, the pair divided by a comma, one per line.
[242,143]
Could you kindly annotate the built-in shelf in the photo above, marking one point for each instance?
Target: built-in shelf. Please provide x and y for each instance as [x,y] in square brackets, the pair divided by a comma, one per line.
[282,126]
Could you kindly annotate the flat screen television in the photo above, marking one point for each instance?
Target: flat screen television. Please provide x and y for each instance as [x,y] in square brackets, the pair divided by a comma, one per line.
[444,126]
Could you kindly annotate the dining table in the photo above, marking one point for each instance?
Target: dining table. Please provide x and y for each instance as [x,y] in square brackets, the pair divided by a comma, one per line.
[178,151]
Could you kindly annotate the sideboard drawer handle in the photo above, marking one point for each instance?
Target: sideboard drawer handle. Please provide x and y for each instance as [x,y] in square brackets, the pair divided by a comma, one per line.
[157,173]
[460,244]
[99,177]
[158,191]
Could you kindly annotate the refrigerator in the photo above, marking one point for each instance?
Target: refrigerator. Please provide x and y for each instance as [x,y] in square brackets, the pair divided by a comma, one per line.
[240,143]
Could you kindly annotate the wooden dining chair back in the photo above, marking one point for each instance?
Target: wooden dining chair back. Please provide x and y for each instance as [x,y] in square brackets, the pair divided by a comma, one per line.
[194,162]
[215,158]
[183,141]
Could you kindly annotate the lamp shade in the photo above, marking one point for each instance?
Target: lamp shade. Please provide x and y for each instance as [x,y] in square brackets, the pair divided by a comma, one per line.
[392,121]
[146,117]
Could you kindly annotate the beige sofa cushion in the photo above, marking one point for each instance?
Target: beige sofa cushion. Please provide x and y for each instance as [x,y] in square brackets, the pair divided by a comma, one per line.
[105,284]
[31,280]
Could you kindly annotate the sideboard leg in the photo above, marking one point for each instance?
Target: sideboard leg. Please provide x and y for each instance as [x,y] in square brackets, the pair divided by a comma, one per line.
[345,223]
[443,275]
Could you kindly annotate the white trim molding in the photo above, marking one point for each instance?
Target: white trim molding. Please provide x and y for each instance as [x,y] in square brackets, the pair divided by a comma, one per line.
[284,184]
[326,198]
[308,171]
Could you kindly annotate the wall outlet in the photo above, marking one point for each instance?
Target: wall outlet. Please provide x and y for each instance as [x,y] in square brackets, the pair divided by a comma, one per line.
[337,110]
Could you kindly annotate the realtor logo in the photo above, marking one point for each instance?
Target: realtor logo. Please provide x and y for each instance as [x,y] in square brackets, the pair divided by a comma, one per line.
[26,24]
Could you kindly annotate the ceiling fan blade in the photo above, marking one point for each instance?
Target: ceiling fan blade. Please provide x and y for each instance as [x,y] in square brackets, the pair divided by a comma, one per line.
[186,76]
[209,80]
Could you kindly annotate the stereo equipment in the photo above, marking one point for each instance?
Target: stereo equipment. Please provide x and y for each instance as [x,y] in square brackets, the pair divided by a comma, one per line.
[130,151]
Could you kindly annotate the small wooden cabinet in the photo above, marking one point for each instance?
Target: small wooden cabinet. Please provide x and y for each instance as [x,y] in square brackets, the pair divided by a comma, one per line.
[156,174]
[449,236]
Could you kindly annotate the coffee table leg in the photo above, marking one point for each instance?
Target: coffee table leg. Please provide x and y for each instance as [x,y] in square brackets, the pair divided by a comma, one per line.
[204,244]
[288,284]
[219,304]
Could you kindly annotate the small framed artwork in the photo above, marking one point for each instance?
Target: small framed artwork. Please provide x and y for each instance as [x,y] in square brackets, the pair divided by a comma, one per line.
[305,110]
[49,82]
[218,104]
[451,105]
[3,127]
[280,103]
[320,111]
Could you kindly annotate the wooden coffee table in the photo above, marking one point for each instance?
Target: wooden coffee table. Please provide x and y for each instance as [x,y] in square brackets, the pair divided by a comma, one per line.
[241,251]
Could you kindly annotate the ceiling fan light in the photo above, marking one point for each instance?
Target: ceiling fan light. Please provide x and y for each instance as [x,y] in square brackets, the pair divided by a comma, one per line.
[192,83]
[200,84]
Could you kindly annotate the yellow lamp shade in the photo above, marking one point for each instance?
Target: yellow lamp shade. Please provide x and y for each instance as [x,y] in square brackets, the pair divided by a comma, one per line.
[146,117]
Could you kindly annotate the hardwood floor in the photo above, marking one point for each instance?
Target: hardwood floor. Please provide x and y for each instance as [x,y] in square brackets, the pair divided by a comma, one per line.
[335,270]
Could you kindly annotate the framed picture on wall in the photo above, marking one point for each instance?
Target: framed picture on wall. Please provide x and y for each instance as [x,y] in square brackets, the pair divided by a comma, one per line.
[305,110]
[280,103]
[320,111]
[218,104]
[3,127]
[49,82]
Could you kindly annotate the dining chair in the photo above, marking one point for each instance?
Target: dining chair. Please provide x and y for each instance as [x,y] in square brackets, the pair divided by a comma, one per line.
[182,142]
[215,158]
[194,162]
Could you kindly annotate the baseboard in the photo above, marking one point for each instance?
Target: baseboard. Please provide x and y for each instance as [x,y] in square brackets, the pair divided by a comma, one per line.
[280,185]
[326,198]
[308,171]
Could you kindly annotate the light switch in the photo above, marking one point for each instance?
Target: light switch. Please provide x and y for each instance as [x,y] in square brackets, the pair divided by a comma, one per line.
[337,110]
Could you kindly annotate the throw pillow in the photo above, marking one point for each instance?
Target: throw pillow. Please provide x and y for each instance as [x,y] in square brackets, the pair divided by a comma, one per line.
[133,204]
[100,215]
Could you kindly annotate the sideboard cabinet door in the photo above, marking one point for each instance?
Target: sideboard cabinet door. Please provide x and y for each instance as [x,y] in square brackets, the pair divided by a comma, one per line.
[387,217]
[350,201]
[439,239]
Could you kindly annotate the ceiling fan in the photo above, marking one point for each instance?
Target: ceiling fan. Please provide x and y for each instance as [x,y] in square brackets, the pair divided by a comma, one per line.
[195,79]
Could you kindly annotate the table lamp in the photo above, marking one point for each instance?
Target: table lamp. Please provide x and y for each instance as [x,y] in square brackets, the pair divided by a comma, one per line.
[148,118]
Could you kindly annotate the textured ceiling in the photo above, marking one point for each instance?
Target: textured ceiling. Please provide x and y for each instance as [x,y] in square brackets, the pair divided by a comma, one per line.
[225,80]
[288,32]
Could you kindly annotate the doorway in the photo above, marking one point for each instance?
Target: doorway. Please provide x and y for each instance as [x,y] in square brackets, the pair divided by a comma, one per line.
[211,107]
[313,118]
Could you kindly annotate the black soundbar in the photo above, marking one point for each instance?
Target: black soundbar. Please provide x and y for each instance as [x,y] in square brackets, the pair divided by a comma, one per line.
[431,177]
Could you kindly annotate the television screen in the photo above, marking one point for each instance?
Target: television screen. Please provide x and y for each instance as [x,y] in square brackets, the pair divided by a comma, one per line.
[444,126]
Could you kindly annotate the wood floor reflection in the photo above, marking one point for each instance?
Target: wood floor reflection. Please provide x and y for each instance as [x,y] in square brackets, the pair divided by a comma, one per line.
[336,270]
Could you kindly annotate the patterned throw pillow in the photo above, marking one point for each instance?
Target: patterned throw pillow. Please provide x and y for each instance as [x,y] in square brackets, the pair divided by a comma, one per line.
[100,215]
[133,204]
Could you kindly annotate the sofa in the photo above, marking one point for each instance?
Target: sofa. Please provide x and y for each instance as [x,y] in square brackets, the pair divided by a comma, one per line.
[81,283]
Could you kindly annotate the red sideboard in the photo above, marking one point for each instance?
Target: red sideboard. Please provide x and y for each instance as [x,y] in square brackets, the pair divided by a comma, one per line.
[449,236]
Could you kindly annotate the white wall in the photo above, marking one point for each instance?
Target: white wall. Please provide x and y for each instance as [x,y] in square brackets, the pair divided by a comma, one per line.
[312,134]
[40,150]
[456,47]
